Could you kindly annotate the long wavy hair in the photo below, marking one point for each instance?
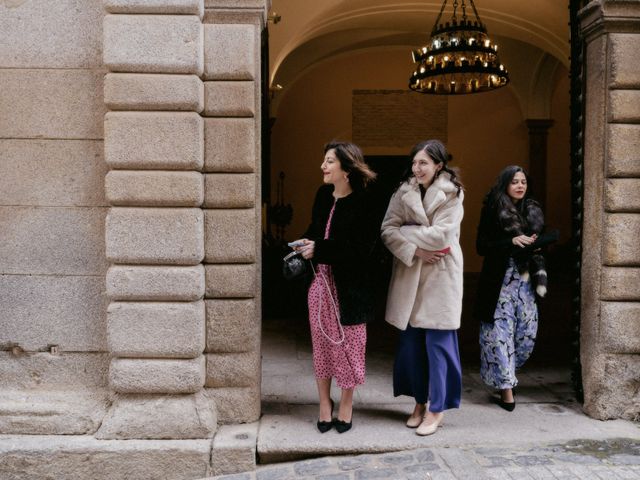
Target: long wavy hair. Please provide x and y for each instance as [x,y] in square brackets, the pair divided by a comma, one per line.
[498,197]
[352,161]
[438,153]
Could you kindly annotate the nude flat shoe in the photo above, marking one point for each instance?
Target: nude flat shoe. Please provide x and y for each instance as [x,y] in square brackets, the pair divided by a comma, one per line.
[429,428]
[414,420]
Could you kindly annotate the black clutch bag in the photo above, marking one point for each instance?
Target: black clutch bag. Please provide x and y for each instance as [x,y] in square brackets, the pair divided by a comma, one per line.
[294,266]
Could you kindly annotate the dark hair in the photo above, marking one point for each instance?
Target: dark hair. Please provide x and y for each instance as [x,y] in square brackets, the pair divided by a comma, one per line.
[498,196]
[352,162]
[438,153]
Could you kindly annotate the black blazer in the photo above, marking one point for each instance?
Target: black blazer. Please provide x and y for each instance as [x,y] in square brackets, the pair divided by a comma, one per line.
[495,245]
[348,249]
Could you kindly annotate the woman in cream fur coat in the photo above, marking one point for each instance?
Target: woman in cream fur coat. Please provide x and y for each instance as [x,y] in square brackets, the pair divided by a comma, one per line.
[422,230]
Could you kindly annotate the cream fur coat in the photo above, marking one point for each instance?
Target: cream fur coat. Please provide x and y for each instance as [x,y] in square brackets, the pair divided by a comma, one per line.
[422,294]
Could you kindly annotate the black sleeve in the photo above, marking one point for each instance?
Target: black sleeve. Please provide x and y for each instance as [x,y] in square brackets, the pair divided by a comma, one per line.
[487,240]
[355,243]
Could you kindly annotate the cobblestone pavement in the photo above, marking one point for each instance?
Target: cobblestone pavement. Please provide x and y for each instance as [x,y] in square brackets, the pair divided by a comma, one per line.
[581,460]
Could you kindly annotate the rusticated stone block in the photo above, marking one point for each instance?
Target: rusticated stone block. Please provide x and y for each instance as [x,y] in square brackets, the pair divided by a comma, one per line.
[230,99]
[193,7]
[144,91]
[159,417]
[65,173]
[38,240]
[51,412]
[621,245]
[158,140]
[623,145]
[620,327]
[620,283]
[133,375]
[69,312]
[156,329]
[69,371]
[234,449]
[173,236]
[622,195]
[56,104]
[233,369]
[230,236]
[236,404]
[230,281]
[230,145]
[153,43]
[125,282]
[51,35]
[232,326]
[84,457]
[610,387]
[229,190]
[624,57]
[151,188]
[624,106]
[229,52]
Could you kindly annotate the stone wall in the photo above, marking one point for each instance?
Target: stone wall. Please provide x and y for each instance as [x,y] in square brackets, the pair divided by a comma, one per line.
[610,343]
[53,333]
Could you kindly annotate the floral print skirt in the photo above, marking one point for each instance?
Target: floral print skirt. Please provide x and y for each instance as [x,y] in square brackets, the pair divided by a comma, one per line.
[507,343]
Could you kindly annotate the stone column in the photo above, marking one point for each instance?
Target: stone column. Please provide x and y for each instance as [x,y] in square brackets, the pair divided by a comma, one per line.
[154,147]
[610,331]
[538,129]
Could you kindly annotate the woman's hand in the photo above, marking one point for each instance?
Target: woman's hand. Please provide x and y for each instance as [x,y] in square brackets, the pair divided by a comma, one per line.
[429,256]
[307,249]
[522,240]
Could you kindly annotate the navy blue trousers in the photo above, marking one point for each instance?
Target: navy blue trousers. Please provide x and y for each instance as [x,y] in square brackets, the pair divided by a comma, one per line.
[427,368]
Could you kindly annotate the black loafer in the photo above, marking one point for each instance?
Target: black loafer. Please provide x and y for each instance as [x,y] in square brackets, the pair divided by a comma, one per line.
[341,426]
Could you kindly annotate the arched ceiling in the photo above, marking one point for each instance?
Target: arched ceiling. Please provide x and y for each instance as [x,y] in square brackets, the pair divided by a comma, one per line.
[311,31]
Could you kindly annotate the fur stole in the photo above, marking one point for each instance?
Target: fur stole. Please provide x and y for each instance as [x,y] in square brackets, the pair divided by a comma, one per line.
[529,221]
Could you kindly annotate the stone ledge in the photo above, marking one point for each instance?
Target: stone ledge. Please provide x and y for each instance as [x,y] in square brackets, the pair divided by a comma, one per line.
[160,283]
[173,236]
[156,329]
[153,43]
[84,457]
[143,91]
[154,140]
[160,416]
[185,7]
[234,449]
[157,376]
[52,412]
[154,188]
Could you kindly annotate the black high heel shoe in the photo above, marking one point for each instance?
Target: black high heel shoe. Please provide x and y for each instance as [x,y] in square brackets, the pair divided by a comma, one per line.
[324,427]
[508,406]
[341,426]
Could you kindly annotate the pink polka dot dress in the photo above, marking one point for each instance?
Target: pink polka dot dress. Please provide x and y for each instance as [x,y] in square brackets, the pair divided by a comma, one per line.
[344,360]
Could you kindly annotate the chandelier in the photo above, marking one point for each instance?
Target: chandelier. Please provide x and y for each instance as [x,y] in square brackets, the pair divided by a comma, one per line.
[459,58]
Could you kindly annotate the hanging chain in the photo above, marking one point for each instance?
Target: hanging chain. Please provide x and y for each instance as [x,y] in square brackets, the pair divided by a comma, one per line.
[444,4]
[464,12]
[455,8]
[475,11]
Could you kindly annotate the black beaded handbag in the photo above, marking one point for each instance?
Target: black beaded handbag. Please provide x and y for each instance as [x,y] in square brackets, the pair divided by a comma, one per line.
[294,266]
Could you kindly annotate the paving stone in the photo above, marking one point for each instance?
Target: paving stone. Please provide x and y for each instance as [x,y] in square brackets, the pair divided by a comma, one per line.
[372,473]
[422,468]
[312,467]
[397,459]
[352,463]
[527,460]
[334,476]
[423,456]
[275,474]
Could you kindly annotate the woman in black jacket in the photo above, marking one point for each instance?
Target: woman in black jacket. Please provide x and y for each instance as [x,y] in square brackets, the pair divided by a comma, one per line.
[340,241]
[513,273]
